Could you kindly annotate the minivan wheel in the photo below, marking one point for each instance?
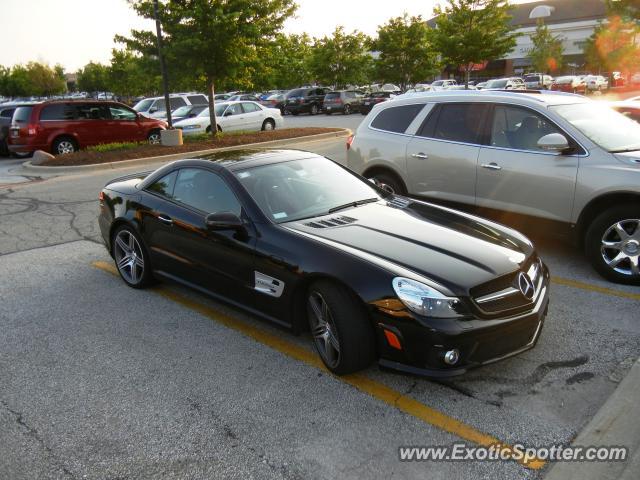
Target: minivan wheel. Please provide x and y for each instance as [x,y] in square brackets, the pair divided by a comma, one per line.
[390,183]
[341,331]
[63,145]
[347,109]
[154,137]
[613,244]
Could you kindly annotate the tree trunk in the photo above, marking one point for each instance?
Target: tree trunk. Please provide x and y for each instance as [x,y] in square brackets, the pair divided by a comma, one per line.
[467,75]
[212,107]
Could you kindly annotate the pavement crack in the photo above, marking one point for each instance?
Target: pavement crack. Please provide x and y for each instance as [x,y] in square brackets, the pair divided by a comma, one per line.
[33,433]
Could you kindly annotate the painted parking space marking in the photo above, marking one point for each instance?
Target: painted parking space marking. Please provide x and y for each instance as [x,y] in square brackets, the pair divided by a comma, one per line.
[594,288]
[361,382]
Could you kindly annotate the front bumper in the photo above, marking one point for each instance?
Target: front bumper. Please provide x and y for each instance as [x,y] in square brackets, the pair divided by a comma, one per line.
[480,342]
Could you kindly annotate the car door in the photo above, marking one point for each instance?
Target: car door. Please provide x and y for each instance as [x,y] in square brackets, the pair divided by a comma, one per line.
[233,118]
[90,123]
[219,261]
[515,175]
[442,156]
[254,116]
[123,125]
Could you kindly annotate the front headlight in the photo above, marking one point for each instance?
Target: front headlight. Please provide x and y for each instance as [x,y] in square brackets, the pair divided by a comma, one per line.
[425,300]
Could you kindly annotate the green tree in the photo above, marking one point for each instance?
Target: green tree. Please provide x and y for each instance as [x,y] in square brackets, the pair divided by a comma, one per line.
[19,82]
[5,73]
[94,77]
[406,55]
[628,10]
[284,63]
[546,54]
[45,81]
[342,59]
[129,75]
[211,41]
[469,32]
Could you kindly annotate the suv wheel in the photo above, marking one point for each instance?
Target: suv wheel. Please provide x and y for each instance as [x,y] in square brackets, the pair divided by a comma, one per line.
[314,109]
[390,183]
[347,109]
[613,244]
[64,145]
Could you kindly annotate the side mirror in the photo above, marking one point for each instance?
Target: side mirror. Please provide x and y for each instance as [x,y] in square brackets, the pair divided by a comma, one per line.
[554,142]
[228,113]
[153,109]
[224,221]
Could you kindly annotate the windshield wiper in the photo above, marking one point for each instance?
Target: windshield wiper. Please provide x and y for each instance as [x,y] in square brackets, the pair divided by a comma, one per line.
[352,204]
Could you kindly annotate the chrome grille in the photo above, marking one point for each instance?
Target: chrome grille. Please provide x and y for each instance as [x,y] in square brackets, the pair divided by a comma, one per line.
[506,295]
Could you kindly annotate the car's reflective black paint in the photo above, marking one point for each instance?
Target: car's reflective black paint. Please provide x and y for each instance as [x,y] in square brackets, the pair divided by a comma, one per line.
[362,249]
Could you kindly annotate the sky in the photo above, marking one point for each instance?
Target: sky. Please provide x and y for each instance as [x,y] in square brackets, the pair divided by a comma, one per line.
[74,32]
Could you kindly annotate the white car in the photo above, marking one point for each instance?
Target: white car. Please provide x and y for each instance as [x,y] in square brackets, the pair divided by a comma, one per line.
[443,84]
[596,83]
[233,116]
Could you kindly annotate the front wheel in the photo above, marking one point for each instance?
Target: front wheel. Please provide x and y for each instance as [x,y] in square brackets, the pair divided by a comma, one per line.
[347,109]
[341,331]
[154,137]
[131,258]
[613,244]
[314,109]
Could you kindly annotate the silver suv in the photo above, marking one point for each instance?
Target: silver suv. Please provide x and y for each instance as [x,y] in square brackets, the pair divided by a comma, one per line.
[564,160]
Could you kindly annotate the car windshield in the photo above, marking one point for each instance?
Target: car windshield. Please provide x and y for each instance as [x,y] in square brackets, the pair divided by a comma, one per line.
[220,108]
[496,84]
[143,105]
[604,126]
[437,83]
[532,78]
[564,79]
[306,188]
[182,111]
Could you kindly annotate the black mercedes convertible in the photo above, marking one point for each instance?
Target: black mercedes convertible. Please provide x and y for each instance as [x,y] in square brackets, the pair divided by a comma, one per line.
[303,242]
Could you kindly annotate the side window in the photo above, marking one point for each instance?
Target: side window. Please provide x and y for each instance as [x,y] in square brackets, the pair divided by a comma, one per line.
[205,191]
[176,102]
[197,99]
[460,122]
[396,119]
[234,109]
[519,128]
[7,113]
[57,111]
[165,185]
[250,107]
[121,113]
[89,111]
[159,105]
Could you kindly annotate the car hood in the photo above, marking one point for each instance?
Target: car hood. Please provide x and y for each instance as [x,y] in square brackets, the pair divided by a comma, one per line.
[453,249]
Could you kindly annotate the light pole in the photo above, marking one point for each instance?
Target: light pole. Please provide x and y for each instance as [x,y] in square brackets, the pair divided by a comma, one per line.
[163,67]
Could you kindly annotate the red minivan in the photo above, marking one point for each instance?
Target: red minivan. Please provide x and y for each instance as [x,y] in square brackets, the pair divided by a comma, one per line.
[66,126]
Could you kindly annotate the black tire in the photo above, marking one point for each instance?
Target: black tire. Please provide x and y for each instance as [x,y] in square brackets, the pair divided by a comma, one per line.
[349,327]
[390,183]
[208,129]
[154,137]
[295,114]
[268,124]
[314,109]
[144,276]
[327,112]
[602,228]
[63,145]
[347,110]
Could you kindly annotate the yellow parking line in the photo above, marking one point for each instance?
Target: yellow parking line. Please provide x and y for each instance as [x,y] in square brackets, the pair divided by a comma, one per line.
[363,383]
[594,288]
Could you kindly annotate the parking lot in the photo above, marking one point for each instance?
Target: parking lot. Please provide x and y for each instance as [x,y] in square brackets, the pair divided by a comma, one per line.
[98,380]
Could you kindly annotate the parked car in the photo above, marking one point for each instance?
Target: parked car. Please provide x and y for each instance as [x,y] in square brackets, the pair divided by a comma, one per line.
[306,100]
[6,114]
[617,79]
[345,101]
[155,107]
[508,83]
[188,111]
[233,116]
[635,79]
[481,85]
[628,108]
[66,126]
[537,81]
[368,101]
[243,96]
[596,83]
[301,241]
[570,84]
[568,162]
[276,100]
[221,97]
[442,84]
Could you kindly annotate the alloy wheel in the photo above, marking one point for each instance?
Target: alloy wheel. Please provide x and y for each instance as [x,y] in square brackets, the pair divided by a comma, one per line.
[323,329]
[65,146]
[154,138]
[620,247]
[129,257]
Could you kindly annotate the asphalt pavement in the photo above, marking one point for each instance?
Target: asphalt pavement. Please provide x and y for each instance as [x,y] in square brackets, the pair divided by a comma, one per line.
[98,380]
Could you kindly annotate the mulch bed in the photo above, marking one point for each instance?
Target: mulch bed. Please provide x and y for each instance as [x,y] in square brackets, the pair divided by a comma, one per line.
[88,157]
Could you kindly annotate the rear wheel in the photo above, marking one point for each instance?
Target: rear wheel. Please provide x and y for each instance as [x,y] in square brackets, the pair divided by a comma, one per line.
[268,124]
[64,145]
[347,109]
[131,258]
[341,331]
[314,109]
[613,244]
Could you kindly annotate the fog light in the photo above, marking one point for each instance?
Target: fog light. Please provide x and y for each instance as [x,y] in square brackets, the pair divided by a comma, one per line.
[451,357]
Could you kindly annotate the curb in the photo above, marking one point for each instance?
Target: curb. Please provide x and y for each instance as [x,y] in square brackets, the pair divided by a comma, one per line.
[28,166]
[617,423]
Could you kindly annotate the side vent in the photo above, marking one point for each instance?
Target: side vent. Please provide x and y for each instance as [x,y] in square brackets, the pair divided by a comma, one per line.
[399,202]
[331,222]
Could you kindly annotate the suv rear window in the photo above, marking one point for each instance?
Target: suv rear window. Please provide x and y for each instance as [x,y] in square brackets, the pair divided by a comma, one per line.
[197,99]
[532,78]
[298,92]
[58,111]
[332,95]
[22,114]
[396,119]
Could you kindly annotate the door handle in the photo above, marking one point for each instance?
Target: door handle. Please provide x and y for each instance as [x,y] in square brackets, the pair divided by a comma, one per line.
[491,166]
[164,219]
[420,155]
